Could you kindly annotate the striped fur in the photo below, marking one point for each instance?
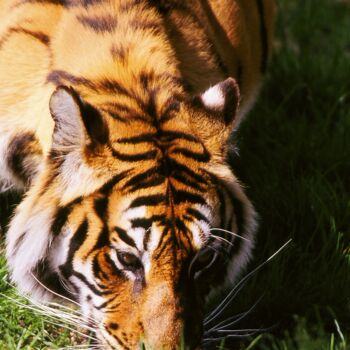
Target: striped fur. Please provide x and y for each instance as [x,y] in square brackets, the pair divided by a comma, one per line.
[115,117]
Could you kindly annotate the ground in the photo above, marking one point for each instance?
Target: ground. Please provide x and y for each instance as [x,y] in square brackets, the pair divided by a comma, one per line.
[294,159]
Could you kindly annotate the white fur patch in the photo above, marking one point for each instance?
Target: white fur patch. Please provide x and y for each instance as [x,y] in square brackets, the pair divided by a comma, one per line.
[153,243]
[28,240]
[60,248]
[200,230]
[214,98]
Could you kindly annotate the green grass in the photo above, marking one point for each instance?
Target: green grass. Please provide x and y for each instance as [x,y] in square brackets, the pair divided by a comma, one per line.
[23,329]
[295,161]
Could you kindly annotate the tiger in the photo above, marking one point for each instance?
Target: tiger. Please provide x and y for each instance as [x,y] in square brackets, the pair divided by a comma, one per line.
[116,119]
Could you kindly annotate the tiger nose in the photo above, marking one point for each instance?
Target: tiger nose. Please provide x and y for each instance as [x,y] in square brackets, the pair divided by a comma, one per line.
[164,322]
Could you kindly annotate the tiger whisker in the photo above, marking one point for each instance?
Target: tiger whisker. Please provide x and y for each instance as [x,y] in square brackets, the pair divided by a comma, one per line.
[74,312]
[65,286]
[222,239]
[210,340]
[86,336]
[232,295]
[233,331]
[87,347]
[227,300]
[52,313]
[235,319]
[54,293]
[74,320]
[57,307]
[65,298]
[230,232]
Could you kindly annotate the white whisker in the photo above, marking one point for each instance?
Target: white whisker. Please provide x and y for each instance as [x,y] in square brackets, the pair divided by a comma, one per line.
[52,313]
[227,300]
[222,239]
[236,319]
[230,232]
[54,293]
[215,339]
[86,336]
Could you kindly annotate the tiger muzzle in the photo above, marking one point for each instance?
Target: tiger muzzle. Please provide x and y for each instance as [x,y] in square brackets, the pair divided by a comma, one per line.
[170,320]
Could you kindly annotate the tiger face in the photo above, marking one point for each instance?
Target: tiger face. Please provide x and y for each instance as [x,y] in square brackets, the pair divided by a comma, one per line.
[137,221]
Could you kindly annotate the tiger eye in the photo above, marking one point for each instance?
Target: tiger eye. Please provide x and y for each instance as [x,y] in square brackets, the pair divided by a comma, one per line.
[128,259]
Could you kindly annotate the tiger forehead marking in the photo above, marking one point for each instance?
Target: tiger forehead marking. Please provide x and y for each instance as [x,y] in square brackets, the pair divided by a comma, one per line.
[116,120]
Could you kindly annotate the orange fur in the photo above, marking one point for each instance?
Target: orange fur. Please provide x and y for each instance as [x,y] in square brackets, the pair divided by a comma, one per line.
[132,153]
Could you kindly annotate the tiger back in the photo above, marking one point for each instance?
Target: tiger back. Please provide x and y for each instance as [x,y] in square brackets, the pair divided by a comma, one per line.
[115,117]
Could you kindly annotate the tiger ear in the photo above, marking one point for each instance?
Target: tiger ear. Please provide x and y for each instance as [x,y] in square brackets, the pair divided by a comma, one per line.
[77,123]
[221,101]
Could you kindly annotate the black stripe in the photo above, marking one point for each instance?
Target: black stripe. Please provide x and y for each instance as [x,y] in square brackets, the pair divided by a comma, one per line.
[102,241]
[114,268]
[199,157]
[146,239]
[96,268]
[83,279]
[42,37]
[122,234]
[148,177]
[23,156]
[153,182]
[183,168]
[114,115]
[113,86]
[117,107]
[61,216]
[134,157]
[181,196]
[197,214]
[263,35]
[172,107]
[151,200]
[142,138]
[185,232]
[146,223]
[186,181]
[60,77]
[107,303]
[102,24]
[76,242]
[108,186]
[100,206]
[171,135]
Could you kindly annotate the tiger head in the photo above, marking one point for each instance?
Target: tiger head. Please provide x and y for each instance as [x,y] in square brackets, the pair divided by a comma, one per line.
[138,220]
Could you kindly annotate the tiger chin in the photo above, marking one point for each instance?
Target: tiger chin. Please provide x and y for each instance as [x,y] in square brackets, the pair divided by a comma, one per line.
[115,121]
